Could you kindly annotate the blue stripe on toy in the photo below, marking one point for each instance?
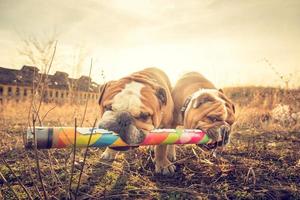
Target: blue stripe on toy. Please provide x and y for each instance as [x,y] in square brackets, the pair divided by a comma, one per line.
[105,140]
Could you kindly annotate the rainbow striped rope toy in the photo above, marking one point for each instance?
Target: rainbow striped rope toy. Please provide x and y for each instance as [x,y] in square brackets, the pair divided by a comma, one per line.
[63,137]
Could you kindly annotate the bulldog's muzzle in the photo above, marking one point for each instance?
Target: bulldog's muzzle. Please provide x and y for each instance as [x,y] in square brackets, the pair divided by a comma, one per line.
[122,123]
[219,136]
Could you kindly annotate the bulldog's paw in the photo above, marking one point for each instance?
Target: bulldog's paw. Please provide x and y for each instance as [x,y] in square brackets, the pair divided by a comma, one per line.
[171,153]
[164,167]
[109,154]
[172,156]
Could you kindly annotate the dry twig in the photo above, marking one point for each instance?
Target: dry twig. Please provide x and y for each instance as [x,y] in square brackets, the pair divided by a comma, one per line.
[31,176]
[84,158]
[52,169]
[37,160]
[73,161]
[251,171]
[87,100]
[19,181]
[8,185]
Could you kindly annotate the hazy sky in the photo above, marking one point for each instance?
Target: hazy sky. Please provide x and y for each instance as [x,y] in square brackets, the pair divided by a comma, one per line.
[225,40]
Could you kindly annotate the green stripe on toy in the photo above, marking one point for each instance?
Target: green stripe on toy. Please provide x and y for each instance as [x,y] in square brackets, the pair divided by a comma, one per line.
[63,137]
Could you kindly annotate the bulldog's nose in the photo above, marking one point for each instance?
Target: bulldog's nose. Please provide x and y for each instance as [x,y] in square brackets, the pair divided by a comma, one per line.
[124,119]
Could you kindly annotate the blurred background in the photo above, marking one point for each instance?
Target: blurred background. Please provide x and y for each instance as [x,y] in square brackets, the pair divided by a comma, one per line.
[236,43]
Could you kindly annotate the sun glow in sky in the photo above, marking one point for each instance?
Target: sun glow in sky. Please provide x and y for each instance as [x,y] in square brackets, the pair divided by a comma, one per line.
[227,41]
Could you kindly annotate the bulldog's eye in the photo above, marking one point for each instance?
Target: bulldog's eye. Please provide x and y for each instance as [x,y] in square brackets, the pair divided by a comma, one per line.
[144,116]
[212,119]
[107,108]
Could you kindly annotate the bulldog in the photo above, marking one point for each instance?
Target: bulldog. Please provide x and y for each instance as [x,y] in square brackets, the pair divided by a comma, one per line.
[134,105]
[199,105]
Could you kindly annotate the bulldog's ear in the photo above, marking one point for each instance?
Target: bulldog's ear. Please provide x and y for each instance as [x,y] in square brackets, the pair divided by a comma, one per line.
[161,95]
[233,108]
[202,99]
[220,90]
[102,91]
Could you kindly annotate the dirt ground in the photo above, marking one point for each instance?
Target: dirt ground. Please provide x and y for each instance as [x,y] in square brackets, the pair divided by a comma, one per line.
[256,165]
[259,163]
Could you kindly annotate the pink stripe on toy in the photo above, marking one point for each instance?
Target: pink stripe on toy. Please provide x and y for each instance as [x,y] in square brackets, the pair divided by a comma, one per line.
[63,137]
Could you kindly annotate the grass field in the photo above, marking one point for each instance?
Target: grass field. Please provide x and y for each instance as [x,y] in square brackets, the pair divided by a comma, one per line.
[262,160]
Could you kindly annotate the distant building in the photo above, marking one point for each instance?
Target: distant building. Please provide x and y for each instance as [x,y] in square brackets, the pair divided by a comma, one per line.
[19,85]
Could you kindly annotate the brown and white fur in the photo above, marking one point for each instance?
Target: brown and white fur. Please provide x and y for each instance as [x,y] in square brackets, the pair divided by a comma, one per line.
[199,105]
[134,105]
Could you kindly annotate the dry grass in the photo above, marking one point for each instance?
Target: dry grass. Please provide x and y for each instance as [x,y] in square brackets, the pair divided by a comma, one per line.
[254,106]
[52,114]
[262,161]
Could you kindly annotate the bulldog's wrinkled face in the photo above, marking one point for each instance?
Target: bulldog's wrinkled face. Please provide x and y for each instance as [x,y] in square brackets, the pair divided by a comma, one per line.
[130,109]
[211,111]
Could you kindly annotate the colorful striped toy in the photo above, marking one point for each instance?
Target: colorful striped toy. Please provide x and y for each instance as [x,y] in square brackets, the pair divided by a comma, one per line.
[63,137]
